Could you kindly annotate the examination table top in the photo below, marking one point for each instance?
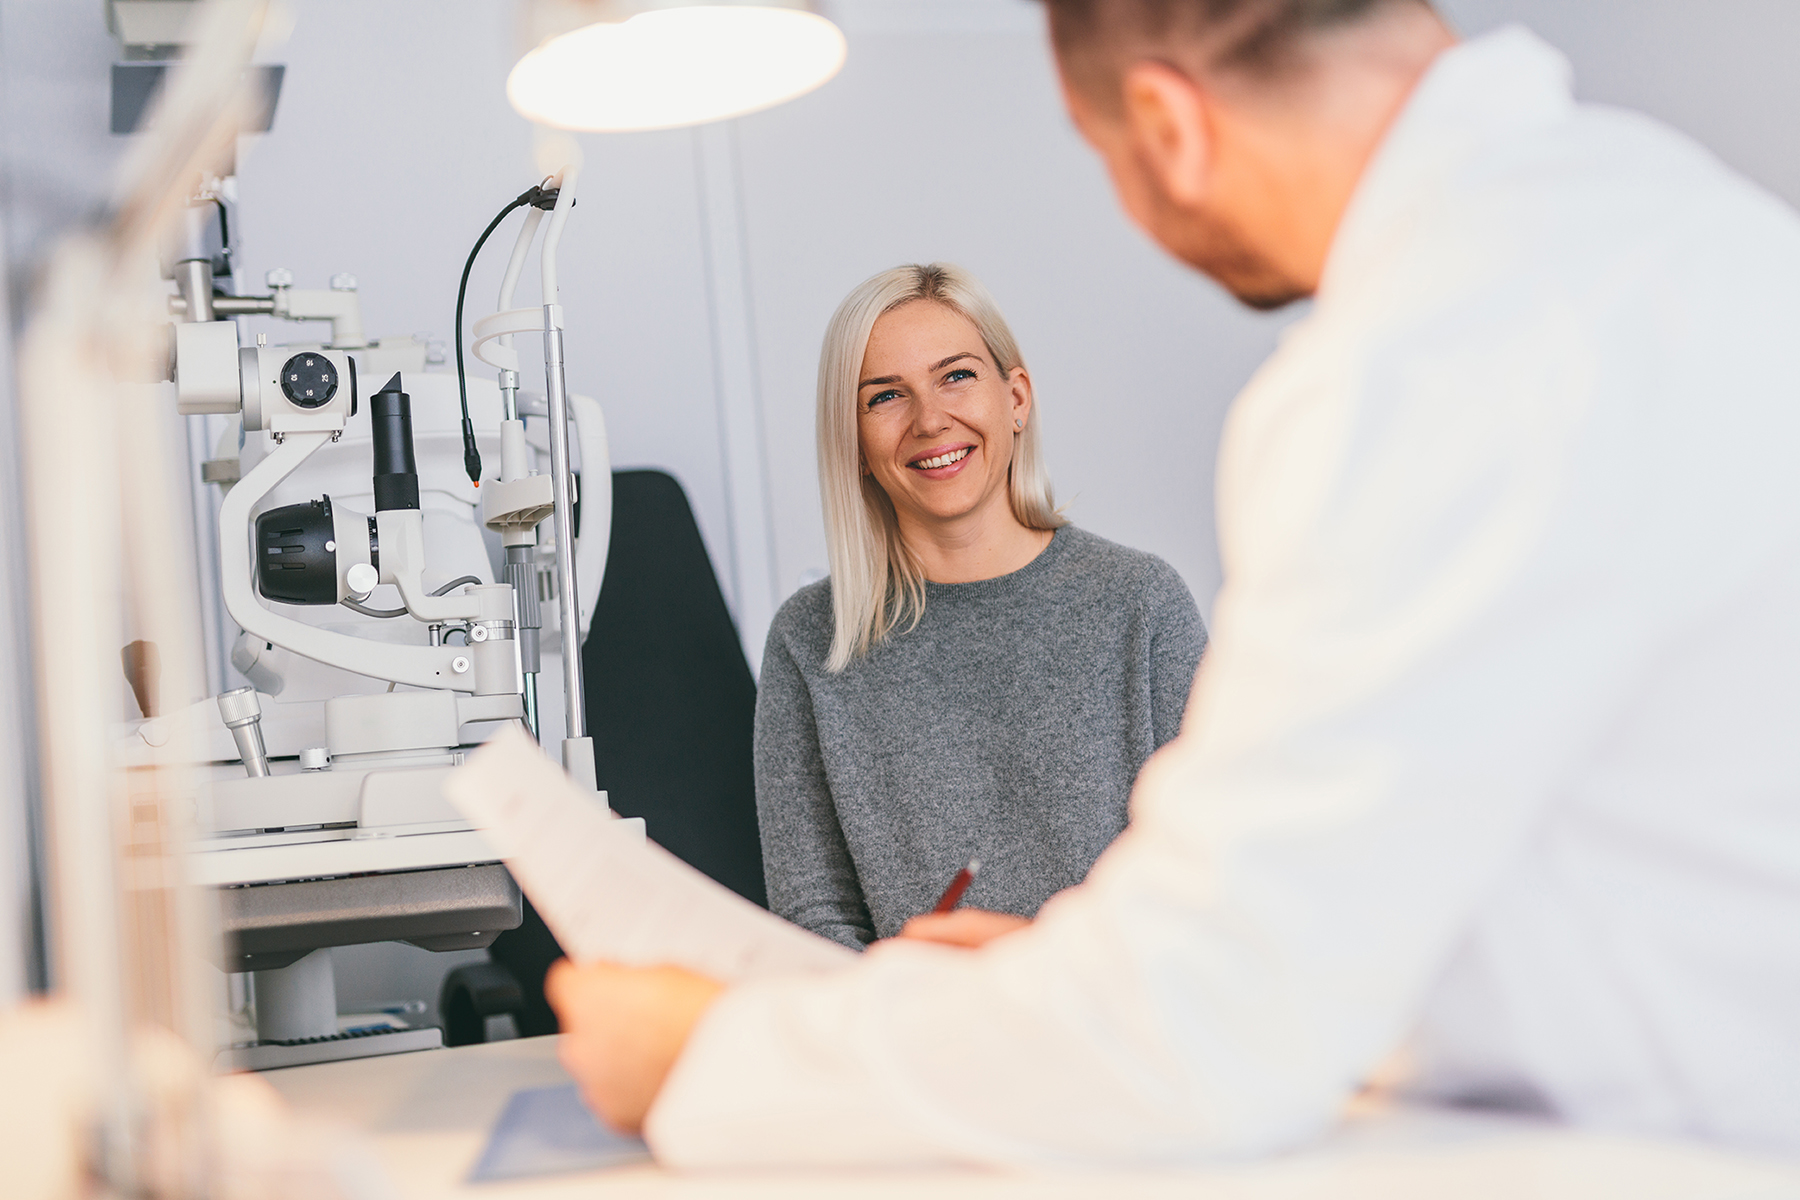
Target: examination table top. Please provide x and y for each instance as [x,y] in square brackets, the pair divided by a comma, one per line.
[427,1116]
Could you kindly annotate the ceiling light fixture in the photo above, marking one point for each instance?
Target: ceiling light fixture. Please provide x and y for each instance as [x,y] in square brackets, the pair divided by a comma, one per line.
[661,64]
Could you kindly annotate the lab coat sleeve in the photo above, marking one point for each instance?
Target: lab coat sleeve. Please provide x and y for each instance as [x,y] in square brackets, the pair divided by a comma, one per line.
[1429,599]
[810,875]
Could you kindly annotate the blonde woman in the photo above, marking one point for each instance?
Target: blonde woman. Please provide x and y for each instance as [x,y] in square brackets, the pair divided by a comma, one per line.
[977,678]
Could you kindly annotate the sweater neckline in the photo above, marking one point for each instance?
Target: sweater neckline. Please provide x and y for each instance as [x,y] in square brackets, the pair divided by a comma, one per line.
[1025,576]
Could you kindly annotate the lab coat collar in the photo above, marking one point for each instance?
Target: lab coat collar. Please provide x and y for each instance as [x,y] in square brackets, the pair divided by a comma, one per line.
[1475,96]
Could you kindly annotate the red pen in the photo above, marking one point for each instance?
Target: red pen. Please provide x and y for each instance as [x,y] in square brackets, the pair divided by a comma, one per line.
[957,887]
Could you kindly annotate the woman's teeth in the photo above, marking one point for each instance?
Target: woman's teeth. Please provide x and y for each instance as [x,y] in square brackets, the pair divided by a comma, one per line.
[943,460]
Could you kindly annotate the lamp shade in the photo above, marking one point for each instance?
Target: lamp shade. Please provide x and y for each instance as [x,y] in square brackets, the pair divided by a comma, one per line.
[676,64]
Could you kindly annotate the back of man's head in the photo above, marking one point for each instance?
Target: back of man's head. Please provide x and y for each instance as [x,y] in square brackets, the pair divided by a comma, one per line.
[1259,40]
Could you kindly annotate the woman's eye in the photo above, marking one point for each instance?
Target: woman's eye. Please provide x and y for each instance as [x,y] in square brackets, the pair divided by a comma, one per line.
[959,374]
[879,397]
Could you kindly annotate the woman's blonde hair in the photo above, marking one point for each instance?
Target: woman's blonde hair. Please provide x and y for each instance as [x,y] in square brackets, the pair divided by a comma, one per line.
[877,583]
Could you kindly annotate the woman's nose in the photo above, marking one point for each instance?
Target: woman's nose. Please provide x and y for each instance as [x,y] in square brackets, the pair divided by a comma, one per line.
[929,417]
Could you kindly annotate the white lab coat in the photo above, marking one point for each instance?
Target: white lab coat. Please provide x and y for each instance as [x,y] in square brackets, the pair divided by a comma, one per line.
[1496,750]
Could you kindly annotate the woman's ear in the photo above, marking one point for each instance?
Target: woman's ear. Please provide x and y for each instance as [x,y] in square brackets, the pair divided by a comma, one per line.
[1019,381]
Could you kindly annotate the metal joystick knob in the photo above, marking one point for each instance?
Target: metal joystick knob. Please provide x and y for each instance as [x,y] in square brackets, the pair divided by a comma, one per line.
[242,712]
[361,580]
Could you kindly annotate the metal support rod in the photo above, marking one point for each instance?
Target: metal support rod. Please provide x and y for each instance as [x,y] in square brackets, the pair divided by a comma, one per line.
[509,395]
[226,306]
[520,570]
[531,705]
[568,598]
[195,279]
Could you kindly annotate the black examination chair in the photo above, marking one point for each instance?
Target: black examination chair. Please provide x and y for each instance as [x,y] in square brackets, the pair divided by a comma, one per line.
[670,704]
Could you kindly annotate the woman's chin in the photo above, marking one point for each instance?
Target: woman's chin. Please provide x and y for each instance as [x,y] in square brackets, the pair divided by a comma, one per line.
[946,510]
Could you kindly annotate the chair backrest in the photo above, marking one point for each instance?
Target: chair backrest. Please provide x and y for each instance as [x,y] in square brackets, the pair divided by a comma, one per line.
[670,705]
[670,700]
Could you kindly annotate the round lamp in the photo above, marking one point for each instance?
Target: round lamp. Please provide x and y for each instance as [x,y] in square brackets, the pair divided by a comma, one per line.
[659,64]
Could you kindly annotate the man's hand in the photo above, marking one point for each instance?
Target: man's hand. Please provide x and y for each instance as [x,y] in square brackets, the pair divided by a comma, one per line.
[968,927]
[623,1029]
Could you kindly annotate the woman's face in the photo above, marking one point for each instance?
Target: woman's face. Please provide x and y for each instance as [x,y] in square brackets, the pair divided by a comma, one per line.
[935,416]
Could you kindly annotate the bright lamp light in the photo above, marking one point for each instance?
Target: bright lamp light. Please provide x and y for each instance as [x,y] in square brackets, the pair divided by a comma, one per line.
[676,66]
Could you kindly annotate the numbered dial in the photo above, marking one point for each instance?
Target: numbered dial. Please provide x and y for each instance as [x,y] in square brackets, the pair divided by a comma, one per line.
[309,380]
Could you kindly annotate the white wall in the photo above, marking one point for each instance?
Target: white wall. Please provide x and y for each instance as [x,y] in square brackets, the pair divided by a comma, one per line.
[943,138]
[1722,71]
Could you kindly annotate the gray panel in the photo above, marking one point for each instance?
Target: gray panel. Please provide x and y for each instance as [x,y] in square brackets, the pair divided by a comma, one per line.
[135,84]
[455,908]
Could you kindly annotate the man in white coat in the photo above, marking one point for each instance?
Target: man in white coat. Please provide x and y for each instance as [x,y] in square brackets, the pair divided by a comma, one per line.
[1491,778]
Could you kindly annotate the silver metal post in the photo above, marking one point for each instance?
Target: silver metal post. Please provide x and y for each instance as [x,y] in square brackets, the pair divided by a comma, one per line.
[521,572]
[242,713]
[195,279]
[568,599]
[531,705]
[509,394]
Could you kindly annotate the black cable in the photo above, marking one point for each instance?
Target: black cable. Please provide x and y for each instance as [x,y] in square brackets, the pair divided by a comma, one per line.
[456,583]
[537,197]
[389,613]
[365,610]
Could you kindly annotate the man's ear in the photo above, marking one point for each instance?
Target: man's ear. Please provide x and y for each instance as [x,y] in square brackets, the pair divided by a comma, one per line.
[1167,120]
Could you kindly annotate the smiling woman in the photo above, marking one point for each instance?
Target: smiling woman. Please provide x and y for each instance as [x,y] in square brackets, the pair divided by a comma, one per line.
[884,396]
[978,678]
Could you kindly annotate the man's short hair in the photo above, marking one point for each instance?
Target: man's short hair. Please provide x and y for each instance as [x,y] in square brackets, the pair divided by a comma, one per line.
[1253,37]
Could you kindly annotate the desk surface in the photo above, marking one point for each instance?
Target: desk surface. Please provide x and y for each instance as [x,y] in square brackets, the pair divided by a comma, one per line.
[427,1116]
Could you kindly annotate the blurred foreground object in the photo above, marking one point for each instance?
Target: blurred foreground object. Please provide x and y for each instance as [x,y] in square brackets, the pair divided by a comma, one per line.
[120,1100]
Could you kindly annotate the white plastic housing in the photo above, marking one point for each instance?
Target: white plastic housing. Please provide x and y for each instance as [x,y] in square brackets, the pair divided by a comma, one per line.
[267,407]
[206,368]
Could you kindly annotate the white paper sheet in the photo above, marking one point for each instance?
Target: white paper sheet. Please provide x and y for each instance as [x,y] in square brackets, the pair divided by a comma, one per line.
[607,894]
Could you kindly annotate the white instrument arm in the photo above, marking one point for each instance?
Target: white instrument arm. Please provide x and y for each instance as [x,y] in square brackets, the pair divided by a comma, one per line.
[596,501]
[418,666]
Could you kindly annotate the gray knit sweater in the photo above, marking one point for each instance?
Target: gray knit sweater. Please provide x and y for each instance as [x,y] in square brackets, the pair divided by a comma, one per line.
[1008,726]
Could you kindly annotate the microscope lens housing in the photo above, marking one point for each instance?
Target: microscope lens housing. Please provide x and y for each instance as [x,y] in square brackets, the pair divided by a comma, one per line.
[296,554]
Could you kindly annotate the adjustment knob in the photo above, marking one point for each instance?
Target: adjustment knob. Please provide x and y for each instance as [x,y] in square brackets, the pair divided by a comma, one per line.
[343,281]
[361,580]
[309,380]
[278,277]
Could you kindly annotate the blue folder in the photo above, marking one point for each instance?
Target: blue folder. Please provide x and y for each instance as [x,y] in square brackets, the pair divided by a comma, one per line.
[545,1131]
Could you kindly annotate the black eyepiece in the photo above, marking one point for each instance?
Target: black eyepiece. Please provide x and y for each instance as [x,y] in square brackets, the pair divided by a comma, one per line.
[396,472]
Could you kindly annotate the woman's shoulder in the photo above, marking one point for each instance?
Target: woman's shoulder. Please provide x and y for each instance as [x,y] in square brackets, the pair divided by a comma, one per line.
[1112,565]
[804,622]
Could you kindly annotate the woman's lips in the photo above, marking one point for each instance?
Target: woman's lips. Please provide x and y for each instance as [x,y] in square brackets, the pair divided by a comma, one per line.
[944,463]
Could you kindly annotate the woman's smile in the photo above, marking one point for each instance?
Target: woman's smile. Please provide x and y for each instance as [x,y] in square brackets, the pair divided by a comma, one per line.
[940,462]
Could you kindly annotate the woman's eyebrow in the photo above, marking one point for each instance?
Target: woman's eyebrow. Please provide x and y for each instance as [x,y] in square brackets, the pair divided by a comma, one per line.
[936,366]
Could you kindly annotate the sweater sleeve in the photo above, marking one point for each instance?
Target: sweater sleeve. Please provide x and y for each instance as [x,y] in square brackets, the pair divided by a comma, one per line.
[1177,641]
[811,877]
